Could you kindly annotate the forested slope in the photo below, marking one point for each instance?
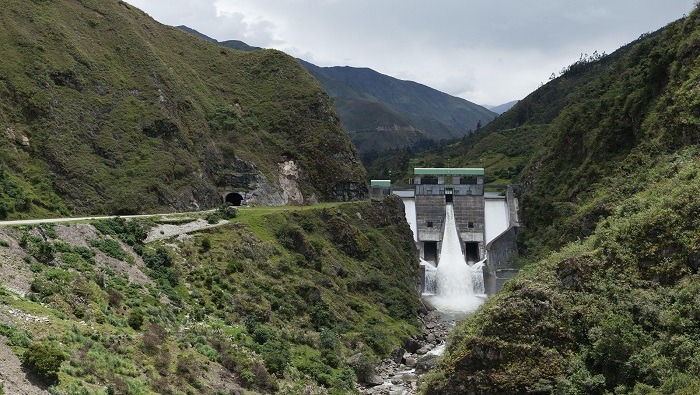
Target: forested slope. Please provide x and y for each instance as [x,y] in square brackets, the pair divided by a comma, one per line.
[607,301]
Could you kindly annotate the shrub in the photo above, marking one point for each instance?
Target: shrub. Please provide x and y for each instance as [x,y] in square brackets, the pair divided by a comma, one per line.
[276,356]
[44,359]
[161,262]
[161,258]
[363,367]
[213,218]
[135,320]
[205,245]
[114,298]
[44,288]
[49,230]
[228,212]
[188,366]
[321,316]
[4,243]
[234,266]
[110,247]
[130,232]
[263,333]
[44,252]
[330,348]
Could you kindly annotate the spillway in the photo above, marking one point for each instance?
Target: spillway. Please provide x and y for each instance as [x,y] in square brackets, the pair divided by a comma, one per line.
[496,216]
[455,280]
[410,209]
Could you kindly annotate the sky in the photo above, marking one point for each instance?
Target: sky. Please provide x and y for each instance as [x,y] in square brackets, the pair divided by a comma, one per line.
[486,51]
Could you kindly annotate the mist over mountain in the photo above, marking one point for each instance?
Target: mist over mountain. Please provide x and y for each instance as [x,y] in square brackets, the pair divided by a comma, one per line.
[501,108]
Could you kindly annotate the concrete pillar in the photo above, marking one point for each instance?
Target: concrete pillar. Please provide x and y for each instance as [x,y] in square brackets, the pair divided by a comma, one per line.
[512,206]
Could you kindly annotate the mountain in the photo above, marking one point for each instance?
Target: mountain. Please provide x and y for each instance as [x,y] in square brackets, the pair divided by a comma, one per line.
[382,112]
[607,299]
[233,44]
[104,110]
[501,108]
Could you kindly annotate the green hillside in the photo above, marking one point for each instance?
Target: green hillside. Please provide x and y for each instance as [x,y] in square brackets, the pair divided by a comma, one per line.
[370,103]
[274,301]
[608,297]
[381,113]
[104,110]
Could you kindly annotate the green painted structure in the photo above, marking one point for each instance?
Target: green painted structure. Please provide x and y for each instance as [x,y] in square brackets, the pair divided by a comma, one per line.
[380,183]
[449,171]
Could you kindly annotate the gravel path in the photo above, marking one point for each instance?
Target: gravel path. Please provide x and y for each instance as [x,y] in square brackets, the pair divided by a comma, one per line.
[165,231]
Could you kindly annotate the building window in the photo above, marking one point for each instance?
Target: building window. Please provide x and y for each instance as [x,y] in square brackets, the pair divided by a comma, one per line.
[471,225]
[430,224]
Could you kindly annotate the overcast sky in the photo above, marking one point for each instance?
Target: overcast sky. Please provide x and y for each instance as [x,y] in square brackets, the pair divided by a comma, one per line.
[486,51]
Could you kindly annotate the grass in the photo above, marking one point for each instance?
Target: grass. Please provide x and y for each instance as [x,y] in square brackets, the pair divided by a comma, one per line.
[254,304]
[136,118]
[610,231]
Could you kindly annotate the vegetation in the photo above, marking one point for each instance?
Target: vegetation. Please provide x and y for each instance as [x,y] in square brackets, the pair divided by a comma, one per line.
[103,110]
[276,301]
[382,113]
[604,303]
[44,359]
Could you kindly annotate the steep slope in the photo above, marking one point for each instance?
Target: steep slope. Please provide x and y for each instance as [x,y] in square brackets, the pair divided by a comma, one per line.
[393,104]
[276,301]
[607,302]
[105,110]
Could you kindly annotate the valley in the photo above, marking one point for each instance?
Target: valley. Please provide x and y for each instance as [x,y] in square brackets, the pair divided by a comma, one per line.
[559,242]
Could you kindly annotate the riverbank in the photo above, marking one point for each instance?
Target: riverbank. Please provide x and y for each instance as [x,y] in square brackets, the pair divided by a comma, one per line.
[400,374]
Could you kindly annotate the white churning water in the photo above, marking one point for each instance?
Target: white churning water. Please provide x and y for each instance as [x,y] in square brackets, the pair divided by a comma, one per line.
[430,278]
[455,280]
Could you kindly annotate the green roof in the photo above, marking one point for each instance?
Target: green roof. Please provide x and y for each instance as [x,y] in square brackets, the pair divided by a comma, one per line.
[463,171]
[380,183]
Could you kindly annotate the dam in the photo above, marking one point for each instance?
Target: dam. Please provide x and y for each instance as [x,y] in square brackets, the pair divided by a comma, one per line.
[485,223]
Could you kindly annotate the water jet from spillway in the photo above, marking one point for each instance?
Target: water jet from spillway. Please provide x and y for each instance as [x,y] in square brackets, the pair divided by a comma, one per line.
[459,288]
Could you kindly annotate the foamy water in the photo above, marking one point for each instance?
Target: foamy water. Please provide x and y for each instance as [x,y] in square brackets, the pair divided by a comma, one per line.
[455,280]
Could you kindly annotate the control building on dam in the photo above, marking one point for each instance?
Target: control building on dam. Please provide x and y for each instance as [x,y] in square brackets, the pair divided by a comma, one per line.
[487,222]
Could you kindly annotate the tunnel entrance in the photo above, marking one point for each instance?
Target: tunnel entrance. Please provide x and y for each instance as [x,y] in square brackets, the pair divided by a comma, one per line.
[471,252]
[233,198]
[430,251]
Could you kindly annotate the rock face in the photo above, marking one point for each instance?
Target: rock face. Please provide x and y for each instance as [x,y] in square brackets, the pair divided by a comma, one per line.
[347,191]
[289,174]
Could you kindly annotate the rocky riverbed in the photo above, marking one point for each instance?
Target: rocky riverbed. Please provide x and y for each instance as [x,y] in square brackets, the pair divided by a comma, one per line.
[399,375]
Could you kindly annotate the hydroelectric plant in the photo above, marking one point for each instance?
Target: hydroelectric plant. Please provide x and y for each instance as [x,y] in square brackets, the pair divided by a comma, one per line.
[464,235]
